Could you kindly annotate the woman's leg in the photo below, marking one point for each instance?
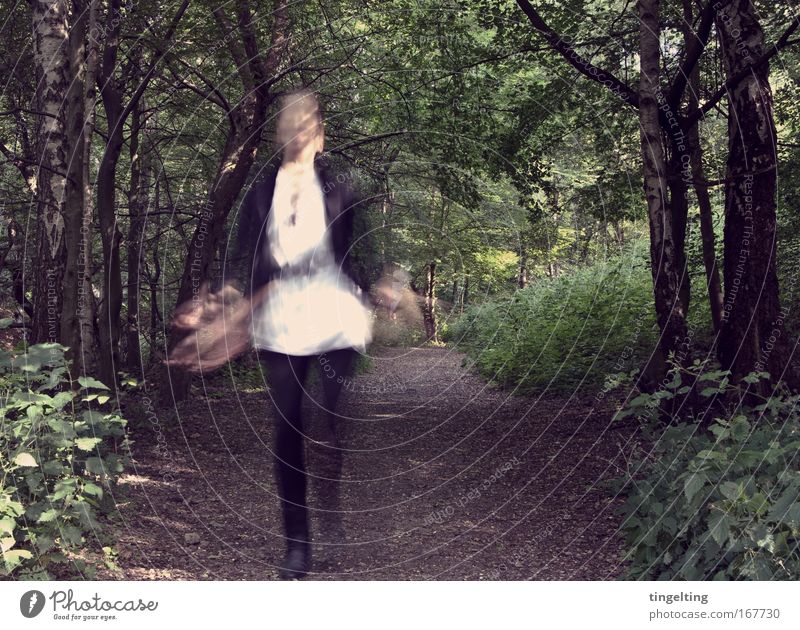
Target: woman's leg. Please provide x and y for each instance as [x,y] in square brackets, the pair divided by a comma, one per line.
[334,372]
[334,369]
[286,376]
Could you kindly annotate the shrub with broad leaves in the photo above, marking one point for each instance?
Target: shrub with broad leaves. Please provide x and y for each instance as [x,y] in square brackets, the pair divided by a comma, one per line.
[720,499]
[61,451]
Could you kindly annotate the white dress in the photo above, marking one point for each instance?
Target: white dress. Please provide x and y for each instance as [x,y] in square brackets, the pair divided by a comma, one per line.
[313,306]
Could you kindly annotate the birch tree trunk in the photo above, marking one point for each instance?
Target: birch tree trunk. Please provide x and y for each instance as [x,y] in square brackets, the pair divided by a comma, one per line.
[50,52]
[664,257]
[428,311]
[753,336]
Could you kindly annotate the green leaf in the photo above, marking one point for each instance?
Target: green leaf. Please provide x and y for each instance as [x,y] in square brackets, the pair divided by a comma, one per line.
[707,376]
[689,571]
[88,381]
[676,380]
[14,508]
[95,465]
[721,432]
[72,535]
[14,557]
[740,428]
[87,443]
[86,515]
[7,525]
[54,467]
[39,355]
[48,516]
[693,484]
[61,399]
[730,490]
[640,400]
[93,417]
[56,376]
[719,524]
[93,489]
[793,514]
[44,543]
[64,488]
[25,459]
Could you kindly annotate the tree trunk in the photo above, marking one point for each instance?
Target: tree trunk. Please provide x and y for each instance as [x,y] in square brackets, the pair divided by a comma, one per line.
[239,153]
[109,314]
[428,311]
[752,335]
[664,257]
[619,233]
[552,270]
[51,59]
[386,211]
[678,178]
[137,206]
[707,236]
[87,306]
[708,239]
[116,115]
[111,300]
[78,305]
[154,277]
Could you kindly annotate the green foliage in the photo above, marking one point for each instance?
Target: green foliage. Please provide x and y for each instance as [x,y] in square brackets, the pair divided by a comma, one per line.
[560,332]
[721,502]
[59,455]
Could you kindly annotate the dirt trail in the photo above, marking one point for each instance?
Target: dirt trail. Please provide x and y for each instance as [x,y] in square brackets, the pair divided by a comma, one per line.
[444,477]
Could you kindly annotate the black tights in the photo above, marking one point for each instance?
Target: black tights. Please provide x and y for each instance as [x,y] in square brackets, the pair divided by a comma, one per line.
[286,375]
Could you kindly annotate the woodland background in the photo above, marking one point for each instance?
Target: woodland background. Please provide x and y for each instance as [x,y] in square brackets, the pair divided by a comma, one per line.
[593,194]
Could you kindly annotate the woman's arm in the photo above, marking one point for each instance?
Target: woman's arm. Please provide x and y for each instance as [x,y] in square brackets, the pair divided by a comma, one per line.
[246,263]
[345,217]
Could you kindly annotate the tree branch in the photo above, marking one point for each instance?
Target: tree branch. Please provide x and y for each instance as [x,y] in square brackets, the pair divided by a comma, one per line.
[134,100]
[733,81]
[357,143]
[693,53]
[584,66]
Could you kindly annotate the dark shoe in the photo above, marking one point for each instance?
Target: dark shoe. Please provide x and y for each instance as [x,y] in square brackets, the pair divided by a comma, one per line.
[297,561]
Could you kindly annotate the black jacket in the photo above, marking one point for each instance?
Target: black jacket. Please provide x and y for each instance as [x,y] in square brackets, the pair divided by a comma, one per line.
[253,266]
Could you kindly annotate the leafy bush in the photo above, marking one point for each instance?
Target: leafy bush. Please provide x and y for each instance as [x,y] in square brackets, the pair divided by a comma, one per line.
[59,458]
[560,332]
[573,330]
[719,499]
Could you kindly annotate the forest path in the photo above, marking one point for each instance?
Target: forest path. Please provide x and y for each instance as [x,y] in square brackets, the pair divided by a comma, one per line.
[444,477]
